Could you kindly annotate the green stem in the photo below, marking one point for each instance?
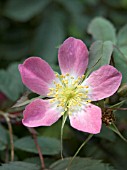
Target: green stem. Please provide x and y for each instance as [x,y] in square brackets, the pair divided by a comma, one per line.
[62,126]
[83,144]
[115,129]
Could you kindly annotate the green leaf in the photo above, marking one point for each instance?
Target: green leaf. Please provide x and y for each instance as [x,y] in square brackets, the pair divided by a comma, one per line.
[106,134]
[3,138]
[15,41]
[120,63]
[79,149]
[102,29]
[122,91]
[2,146]
[74,9]
[10,82]
[80,164]
[13,51]
[118,105]
[100,54]
[49,146]
[20,166]
[3,135]
[47,131]
[113,3]
[36,160]
[23,10]
[49,35]
[122,40]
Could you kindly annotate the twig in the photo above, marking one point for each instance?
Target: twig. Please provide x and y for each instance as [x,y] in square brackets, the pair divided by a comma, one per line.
[116,108]
[34,135]
[11,137]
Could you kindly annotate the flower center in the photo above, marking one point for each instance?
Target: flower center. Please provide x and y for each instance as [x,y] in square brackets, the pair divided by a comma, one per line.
[69,93]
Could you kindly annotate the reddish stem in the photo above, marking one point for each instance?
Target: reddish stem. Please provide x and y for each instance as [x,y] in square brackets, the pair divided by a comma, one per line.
[34,135]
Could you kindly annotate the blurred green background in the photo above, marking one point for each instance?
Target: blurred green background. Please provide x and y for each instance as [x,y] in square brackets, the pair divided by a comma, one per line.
[37,28]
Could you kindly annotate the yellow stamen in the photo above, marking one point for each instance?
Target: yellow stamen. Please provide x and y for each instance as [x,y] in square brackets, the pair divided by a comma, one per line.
[69,94]
[86,86]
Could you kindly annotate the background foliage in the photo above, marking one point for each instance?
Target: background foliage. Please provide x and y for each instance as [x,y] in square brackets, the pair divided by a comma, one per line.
[37,28]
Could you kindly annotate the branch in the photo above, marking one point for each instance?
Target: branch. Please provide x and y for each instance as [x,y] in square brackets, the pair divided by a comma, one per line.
[34,135]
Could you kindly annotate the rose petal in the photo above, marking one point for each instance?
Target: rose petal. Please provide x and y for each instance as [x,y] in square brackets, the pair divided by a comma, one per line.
[37,75]
[73,57]
[88,119]
[103,83]
[40,113]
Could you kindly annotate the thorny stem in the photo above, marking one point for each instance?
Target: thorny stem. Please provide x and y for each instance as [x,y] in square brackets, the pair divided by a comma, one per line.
[83,144]
[6,116]
[34,135]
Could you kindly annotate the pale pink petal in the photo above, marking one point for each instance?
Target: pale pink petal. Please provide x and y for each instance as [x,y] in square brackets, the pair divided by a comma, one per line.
[40,113]
[37,75]
[103,83]
[73,57]
[88,119]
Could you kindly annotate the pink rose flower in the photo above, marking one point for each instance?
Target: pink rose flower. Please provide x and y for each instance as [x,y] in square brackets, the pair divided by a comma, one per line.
[68,92]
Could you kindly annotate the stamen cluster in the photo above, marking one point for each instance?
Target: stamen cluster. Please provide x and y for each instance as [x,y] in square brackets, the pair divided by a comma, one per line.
[69,93]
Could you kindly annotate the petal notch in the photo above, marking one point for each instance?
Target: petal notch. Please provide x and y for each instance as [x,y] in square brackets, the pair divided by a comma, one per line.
[73,57]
